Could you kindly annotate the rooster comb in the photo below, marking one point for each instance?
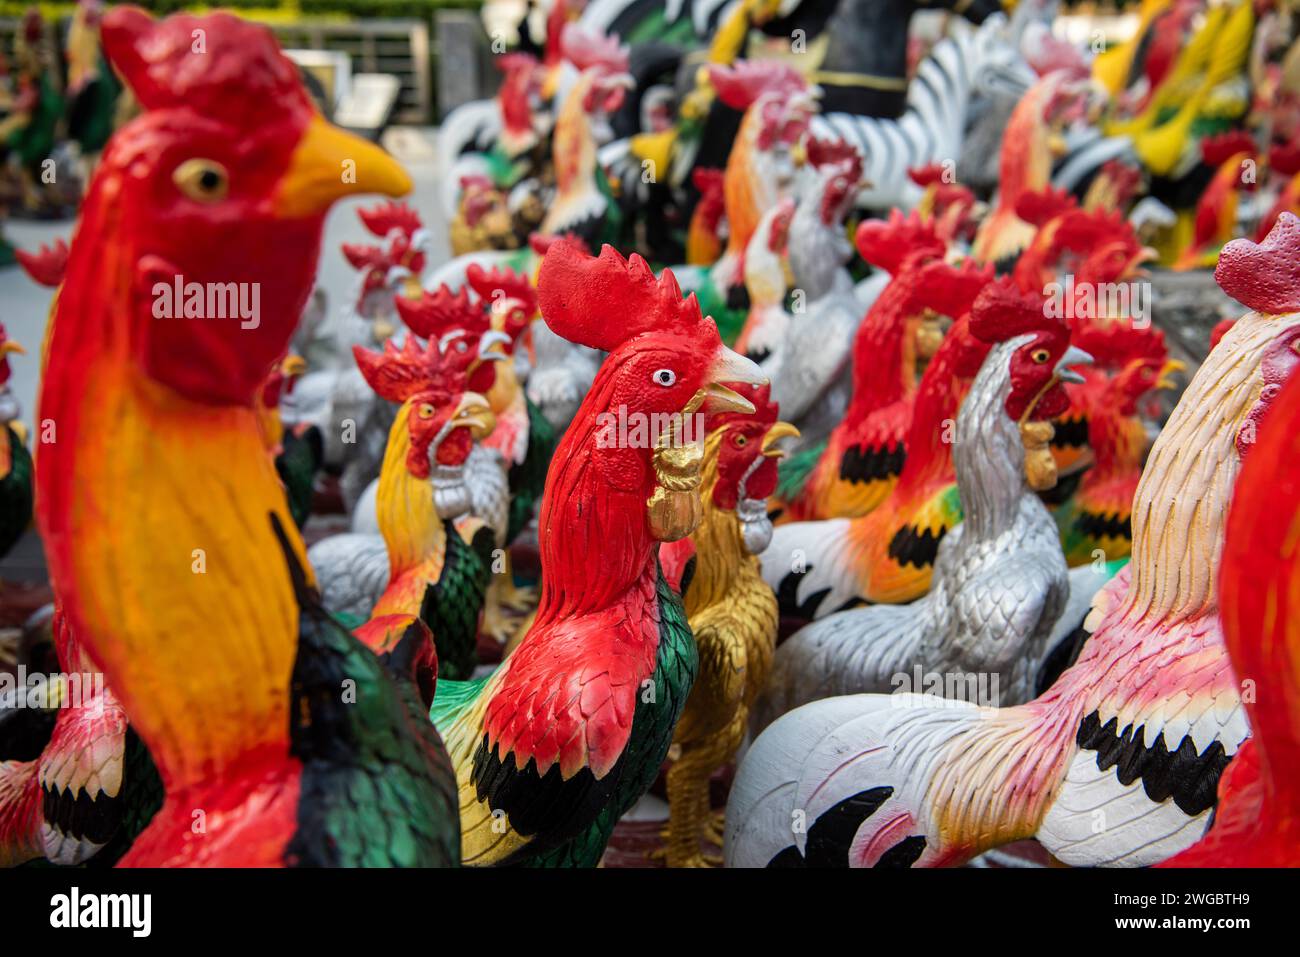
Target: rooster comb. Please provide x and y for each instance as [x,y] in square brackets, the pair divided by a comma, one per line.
[887,243]
[586,49]
[1037,207]
[490,284]
[741,84]
[381,220]
[1264,276]
[604,301]
[833,153]
[216,65]
[1285,157]
[1216,150]
[1001,312]
[436,313]
[46,266]
[397,373]
[1113,344]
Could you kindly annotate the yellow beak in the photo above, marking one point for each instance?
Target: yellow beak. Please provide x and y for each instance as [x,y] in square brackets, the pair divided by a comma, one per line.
[9,345]
[474,413]
[781,430]
[328,164]
[293,365]
[1165,380]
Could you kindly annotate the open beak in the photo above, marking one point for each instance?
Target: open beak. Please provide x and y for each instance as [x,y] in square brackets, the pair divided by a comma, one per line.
[730,366]
[1074,356]
[328,164]
[474,413]
[11,345]
[779,431]
[1165,379]
[1145,255]
[486,352]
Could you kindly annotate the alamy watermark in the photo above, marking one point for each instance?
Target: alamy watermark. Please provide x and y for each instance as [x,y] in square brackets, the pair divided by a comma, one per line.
[43,692]
[1099,300]
[641,430]
[179,299]
[969,687]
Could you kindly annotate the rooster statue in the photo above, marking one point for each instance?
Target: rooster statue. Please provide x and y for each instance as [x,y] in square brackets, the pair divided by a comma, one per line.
[999,580]
[179,568]
[416,565]
[1118,762]
[731,612]
[556,744]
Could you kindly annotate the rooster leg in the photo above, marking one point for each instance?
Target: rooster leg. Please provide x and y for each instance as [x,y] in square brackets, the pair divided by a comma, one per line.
[516,598]
[498,622]
[689,814]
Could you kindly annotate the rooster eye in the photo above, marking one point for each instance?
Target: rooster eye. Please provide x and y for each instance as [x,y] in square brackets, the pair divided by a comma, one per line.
[460,346]
[741,441]
[1295,346]
[664,377]
[203,180]
[426,411]
[1040,355]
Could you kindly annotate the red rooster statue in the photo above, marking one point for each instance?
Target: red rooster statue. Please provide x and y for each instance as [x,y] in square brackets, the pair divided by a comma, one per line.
[554,746]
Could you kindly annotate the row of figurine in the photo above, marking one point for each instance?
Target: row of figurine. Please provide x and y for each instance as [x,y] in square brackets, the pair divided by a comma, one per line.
[1013,613]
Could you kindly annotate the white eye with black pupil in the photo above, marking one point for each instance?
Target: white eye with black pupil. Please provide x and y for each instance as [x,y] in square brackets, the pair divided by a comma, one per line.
[664,377]
[460,346]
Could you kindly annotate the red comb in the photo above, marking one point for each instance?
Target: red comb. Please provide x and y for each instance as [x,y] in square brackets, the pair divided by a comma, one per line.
[397,374]
[886,243]
[436,313]
[1285,157]
[491,284]
[360,256]
[1112,344]
[947,289]
[1264,276]
[1217,150]
[541,242]
[1002,312]
[46,266]
[604,301]
[707,179]
[241,75]
[585,49]
[383,219]
[1040,206]
[833,152]
[745,81]
[927,175]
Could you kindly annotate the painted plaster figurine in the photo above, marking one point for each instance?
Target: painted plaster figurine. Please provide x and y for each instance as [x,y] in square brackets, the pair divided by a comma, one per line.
[228,670]
[610,645]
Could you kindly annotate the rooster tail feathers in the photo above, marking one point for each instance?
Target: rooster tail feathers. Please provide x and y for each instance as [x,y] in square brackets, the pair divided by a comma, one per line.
[883,781]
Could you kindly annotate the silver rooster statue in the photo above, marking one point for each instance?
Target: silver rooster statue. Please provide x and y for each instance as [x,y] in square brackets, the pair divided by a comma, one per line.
[1000,580]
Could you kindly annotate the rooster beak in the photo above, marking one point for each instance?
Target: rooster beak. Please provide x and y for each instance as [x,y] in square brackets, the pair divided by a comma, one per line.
[781,430]
[730,366]
[293,366]
[492,338]
[10,345]
[1165,380]
[328,164]
[1074,356]
[474,413]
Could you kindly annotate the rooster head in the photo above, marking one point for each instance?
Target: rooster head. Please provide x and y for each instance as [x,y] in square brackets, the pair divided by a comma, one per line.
[220,184]
[666,364]
[1041,360]
[511,297]
[744,451]
[784,101]
[462,328]
[443,416]
[839,167]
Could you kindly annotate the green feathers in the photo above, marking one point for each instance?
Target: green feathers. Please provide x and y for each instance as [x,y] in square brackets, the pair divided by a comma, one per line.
[451,607]
[528,478]
[793,472]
